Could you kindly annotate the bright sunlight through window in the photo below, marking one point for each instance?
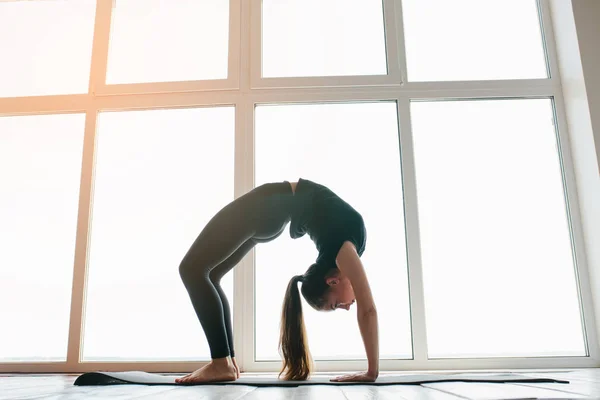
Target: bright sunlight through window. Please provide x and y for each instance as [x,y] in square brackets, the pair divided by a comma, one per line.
[496,249]
[174,40]
[40,169]
[40,56]
[353,149]
[160,176]
[473,40]
[320,38]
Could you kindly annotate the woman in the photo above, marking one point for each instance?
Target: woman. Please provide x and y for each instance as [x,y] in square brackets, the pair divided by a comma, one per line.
[336,280]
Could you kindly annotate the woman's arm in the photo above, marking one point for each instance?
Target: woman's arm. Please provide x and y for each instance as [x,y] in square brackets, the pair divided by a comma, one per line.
[350,265]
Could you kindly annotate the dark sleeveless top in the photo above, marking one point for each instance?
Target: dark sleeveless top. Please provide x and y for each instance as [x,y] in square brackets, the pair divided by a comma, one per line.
[327,219]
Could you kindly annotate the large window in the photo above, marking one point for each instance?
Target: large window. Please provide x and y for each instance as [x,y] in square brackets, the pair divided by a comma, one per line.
[127,126]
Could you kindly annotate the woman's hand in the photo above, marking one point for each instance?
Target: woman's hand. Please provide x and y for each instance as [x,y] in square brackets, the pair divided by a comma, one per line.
[350,265]
[357,377]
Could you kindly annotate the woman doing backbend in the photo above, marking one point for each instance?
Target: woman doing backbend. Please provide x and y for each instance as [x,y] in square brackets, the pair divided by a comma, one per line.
[336,280]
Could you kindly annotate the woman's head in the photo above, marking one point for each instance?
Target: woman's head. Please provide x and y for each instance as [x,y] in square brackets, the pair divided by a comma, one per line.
[324,290]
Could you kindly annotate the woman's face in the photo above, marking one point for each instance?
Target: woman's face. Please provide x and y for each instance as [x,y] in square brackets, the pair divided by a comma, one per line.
[340,293]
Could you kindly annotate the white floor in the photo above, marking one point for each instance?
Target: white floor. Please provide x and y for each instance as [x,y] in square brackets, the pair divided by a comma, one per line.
[584,384]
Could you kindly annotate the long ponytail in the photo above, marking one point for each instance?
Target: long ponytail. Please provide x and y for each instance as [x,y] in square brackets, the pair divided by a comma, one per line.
[293,344]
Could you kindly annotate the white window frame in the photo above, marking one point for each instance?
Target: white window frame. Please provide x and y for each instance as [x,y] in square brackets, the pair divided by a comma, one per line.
[245,88]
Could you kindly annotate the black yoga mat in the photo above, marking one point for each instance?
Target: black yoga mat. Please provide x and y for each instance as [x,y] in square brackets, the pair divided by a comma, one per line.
[144,378]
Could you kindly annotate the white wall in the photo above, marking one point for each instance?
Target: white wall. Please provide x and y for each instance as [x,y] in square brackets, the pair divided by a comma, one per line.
[576,25]
[587,17]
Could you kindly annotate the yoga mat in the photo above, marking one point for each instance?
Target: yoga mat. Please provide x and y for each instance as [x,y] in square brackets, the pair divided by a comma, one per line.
[144,378]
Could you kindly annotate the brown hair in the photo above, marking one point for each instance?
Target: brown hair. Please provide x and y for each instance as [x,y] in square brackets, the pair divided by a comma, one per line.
[293,343]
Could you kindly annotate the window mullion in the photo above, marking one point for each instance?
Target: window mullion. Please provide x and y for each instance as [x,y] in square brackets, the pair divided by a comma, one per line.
[254,41]
[247,46]
[44,104]
[100,45]
[76,320]
[243,274]
[243,315]
[396,50]
[97,78]
[548,39]
[235,39]
[413,246]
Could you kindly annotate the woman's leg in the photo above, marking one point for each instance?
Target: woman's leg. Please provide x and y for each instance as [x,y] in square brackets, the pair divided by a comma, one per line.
[224,241]
[217,274]
[220,239]
[216,244]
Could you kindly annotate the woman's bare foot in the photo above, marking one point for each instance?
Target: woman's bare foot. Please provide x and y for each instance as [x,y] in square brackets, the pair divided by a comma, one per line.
[218,370]
[237,369]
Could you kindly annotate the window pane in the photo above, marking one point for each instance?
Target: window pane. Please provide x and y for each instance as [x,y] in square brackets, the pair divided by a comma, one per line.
[498,272]
[40,168]
[353,149]
[473,40]
[320,38]
[174,40]
[40,56]
[160,176]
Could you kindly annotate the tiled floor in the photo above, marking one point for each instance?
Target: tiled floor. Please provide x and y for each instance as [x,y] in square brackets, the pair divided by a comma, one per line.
[584,384]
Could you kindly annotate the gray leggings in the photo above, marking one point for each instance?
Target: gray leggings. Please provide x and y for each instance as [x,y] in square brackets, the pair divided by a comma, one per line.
[259,216]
